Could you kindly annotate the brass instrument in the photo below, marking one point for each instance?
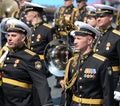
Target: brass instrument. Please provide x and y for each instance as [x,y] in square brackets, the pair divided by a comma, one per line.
[8,7]
[56,54]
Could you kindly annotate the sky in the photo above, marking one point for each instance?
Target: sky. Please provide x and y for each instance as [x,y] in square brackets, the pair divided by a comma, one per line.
[60,2]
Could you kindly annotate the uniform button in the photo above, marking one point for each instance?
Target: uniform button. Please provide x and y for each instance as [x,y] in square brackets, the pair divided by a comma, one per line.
[82,61]
[33,35]
[5,65]
[32,41]
[80,95]
[80,69]
[7,58]
[96,50]
[81,87]
[80,78]
[31,48]
[98,42]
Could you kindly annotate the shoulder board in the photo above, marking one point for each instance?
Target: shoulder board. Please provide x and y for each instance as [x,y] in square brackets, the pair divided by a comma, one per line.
[30,52]
[75,9]
[116,32]
[100,57]
[47,25]
[5,48]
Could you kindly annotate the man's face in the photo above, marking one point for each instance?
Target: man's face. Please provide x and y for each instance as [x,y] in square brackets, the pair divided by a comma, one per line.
[68,3]
[30,15]
[15,40]
[81,4]
[104,21]
[92,21]
[81,43]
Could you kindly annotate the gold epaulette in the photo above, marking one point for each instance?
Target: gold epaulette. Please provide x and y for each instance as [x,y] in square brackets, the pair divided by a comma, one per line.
[75,9]
[116,32]
[30,52]
[47,25]
[100,57]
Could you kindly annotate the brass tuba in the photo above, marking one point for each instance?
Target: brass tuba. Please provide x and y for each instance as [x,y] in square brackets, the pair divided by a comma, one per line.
[57,53]
[8,7]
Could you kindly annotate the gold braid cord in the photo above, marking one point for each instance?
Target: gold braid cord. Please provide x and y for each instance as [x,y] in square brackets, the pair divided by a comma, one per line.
[69,84]
[3,49]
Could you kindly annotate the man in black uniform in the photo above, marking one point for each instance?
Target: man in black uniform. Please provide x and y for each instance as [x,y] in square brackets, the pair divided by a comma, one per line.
[108,43]
[64,20]
[88,76]
[81,5]
[19,14]
[65,16]
[42,33]
[22,69]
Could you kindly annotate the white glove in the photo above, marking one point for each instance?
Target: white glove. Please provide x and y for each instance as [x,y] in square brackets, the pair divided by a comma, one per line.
[117,95]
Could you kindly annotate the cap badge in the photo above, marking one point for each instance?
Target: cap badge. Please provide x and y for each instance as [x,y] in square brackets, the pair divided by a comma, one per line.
[12,25]
[98,10]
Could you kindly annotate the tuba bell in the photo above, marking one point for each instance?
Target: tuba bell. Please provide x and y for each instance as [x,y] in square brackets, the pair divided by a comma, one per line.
[57,53]
[8,7]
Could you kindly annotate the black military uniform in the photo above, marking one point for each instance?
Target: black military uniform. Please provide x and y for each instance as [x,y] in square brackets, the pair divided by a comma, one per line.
[66,16]
[108,45]
[82,12]
[88,76]
[64,22]
[42,33]
[92,86]
[22,70]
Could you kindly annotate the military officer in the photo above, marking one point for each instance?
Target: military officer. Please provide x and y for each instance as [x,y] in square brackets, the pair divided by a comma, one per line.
[19,14]
[88,75]
[22,69]
[81,5]
[91,16]
[66,16]
[64,21]
[108,43]
[42,33]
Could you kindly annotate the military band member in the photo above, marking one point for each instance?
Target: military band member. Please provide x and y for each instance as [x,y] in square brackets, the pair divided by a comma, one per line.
[22,69]
[109,42]
[81,5]
[88,76]
[42,32]
[66,15]
[117,21]
[91,16]
[19,14]
[65,18]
